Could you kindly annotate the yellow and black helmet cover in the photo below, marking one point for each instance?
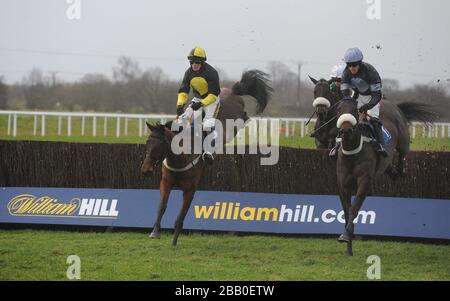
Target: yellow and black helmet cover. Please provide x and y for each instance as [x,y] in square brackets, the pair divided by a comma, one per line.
[197,54]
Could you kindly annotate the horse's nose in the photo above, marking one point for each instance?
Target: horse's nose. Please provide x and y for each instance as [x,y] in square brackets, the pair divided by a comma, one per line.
[321,109]
[146,173]
[146,169]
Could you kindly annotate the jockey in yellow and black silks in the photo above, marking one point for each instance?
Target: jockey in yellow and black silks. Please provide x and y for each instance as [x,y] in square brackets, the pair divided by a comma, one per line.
[204,81]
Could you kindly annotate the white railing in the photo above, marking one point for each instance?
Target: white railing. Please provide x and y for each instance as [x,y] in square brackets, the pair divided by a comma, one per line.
[288,126]
[13,122]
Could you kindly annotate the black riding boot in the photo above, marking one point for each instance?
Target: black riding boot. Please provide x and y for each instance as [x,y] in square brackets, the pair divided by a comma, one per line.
[380,147]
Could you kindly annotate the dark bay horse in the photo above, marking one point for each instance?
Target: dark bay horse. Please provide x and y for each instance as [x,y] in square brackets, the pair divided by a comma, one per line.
[185,170]
[358,165]
[325,106]
[324,103]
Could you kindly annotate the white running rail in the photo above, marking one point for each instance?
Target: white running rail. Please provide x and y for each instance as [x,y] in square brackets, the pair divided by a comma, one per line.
[288,126]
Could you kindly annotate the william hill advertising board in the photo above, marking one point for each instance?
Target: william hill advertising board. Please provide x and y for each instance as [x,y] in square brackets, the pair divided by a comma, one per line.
[225,211]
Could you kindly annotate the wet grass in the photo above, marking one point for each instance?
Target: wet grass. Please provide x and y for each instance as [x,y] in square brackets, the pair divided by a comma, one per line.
[42,255]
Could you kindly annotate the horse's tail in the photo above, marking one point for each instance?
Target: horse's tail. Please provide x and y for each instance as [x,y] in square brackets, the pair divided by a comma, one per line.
[416,111]
[254,83]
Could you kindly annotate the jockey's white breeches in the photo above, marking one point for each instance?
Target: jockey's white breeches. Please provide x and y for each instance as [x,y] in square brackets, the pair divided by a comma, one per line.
[210,110]
[364,99]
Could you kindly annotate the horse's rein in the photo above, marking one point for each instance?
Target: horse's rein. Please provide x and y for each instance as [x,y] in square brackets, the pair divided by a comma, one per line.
[326,123]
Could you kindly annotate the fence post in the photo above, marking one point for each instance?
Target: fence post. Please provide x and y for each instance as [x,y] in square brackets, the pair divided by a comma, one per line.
[69,126]
[94,126]
[43,125]
[59,125]
[118,127]
[82,125]
[413,126]
[302,129]
[9,124]
[140,127]
[105,126]
[15,125]
[35,125]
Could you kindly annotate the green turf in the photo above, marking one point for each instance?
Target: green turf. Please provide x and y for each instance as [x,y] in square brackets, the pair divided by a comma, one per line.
[42,255]
[26,132]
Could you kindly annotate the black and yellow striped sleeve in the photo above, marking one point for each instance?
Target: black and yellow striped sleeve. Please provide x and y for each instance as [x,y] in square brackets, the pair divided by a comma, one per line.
[183,92]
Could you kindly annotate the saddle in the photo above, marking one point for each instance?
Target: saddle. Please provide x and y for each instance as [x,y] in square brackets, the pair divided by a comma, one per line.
[367,130]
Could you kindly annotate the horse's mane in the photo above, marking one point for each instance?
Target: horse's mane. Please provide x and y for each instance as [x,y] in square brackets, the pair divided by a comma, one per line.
[158,129]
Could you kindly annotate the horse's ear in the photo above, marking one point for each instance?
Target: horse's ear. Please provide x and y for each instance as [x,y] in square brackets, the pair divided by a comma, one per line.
[150,127]
[168,125]
[315,81]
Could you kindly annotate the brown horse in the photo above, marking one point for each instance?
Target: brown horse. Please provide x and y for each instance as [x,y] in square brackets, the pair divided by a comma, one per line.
[185,170]
[358,165]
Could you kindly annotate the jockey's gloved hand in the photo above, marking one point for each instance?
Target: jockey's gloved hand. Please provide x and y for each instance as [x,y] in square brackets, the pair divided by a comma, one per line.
[180,110]
[196,105]
[364,108]
[345,98]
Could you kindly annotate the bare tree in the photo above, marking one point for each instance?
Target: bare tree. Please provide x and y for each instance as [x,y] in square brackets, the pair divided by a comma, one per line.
[3,94]
[127,70]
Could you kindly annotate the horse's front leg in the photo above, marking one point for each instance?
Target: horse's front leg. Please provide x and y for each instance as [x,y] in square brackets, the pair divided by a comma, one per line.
[364,186]
[345,194]
[188,195]
[165,187]
[346,197]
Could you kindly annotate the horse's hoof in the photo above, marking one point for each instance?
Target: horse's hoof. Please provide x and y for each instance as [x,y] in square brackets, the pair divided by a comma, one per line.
[344,238]
[155,235]
[347,253]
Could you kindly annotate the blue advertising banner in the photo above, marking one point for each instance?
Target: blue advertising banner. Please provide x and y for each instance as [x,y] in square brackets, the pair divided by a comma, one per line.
[225,211]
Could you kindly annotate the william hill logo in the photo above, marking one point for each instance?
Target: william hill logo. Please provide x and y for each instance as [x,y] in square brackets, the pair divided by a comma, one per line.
[30,205]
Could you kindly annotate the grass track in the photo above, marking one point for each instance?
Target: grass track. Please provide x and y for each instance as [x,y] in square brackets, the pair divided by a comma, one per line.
[42,255]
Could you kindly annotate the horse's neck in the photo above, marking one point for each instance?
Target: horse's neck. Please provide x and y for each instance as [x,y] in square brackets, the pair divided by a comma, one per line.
[179,161]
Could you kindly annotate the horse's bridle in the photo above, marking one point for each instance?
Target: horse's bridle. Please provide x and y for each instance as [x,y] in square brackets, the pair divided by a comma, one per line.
[315,112]
[163,159]
[165,152]
[328,122]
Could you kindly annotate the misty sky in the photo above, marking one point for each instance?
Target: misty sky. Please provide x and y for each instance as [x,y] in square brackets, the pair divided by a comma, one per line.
[413,35]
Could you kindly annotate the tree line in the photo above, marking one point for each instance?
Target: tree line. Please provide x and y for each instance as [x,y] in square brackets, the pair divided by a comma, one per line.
[134,90]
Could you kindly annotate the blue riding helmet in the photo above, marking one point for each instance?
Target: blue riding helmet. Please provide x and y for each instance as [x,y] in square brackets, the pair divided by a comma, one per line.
[353,55]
